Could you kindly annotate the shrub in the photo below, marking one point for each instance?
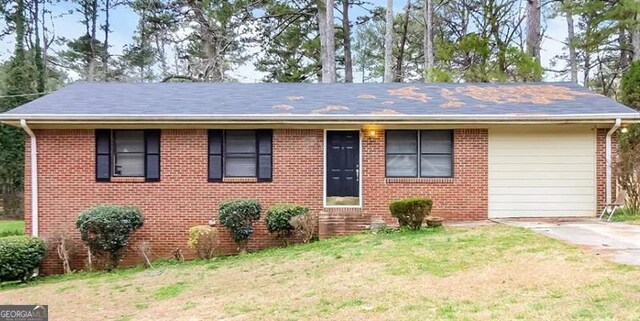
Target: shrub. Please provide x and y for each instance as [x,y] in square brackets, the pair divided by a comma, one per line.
[306,225]
[204,240]
[19,256]
[238,216]
[410,212]
[278,217]
[105,230]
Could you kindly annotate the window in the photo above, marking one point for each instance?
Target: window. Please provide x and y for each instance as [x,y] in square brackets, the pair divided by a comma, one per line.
[425,153]
[127,153]
[128,156]
[240,153]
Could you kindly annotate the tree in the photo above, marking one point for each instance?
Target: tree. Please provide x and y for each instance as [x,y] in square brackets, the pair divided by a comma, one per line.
[388,43]
[533,29]
[573,58]
[628,167]
[289,42]
[18,89]
[428,40]
[346,41]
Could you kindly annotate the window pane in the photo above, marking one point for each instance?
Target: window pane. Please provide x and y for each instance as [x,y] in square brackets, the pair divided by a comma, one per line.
[240,141]
[402,165]
[402,141]
[129,141]
[436,141]
[435,165]
[129,165]
[240,166]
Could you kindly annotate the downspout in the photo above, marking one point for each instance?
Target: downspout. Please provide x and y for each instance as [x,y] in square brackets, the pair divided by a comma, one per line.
[34,178]
[608,159]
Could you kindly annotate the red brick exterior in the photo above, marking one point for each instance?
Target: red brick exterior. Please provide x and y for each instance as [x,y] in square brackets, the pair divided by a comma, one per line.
[184,197]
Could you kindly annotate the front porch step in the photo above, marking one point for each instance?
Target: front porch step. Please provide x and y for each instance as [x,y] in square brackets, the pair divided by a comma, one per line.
[342,221]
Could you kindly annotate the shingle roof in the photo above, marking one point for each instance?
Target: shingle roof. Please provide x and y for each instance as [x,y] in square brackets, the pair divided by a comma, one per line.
[320,100]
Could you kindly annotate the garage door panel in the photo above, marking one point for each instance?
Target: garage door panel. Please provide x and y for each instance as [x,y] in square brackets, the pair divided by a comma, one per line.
[558,167]
[543,206]
[522,151]
[544,183]
[540,191]
[537,172]
[539,175]
[539,213]
[538,198]
[532,158]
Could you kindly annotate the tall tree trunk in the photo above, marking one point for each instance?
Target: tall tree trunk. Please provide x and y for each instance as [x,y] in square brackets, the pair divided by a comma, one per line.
[533,29]
[635,35]
[623,44]
[573,58]
[331,42]
[388,43]
[399,76]
[346,39]
[45,41]
[91,72]
[40,80]
[428,40]
[105,52]
[161,55]
[321,15]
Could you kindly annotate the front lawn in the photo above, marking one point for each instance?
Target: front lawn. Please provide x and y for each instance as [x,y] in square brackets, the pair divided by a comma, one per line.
[485,273]
[11,227]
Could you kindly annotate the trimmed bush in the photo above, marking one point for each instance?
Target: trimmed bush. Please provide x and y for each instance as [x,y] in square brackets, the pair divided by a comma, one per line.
[204,240]
[278,217]
[20,256]
[238,216]
[105,229]
[411,212]
[306,225]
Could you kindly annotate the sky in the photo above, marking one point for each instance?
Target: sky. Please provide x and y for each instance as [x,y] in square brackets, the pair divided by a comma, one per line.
[124,22]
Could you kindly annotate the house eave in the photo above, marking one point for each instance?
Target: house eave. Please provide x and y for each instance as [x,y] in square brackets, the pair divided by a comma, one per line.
[92,120]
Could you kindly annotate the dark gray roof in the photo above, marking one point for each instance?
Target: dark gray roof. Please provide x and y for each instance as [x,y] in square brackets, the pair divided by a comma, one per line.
[288,100]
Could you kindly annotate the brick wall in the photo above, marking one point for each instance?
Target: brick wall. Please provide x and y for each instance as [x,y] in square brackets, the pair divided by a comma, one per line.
[184,198]
[601,167]
[463,197]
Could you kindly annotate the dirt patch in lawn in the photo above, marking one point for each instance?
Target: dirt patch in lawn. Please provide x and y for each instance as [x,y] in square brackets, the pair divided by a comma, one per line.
[489,272]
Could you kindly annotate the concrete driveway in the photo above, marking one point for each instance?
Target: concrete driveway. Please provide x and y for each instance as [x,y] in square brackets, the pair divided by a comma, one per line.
[617,241]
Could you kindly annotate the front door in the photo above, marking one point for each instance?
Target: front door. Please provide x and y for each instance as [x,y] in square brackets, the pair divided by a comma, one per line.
[343,167]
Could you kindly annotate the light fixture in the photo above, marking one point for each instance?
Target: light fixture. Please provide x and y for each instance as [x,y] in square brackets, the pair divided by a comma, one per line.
[624,130]
[370,131]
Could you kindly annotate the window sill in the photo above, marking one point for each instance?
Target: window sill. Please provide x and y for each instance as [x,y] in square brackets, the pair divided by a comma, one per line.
[418,180]
[128,180]
[240,180]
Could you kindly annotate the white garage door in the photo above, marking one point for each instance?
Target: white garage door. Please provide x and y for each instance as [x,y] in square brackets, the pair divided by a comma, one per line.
[547,172]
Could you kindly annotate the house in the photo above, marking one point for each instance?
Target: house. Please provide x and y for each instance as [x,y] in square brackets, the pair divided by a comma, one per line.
[344,150]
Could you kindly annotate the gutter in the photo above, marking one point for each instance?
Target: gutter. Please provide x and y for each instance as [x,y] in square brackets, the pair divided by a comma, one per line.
[608,156]
[34,178]
[315,117]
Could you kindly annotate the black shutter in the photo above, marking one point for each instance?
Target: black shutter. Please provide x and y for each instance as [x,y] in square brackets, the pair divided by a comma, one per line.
[265,155]
[103,155]
[215,155]
[152,155]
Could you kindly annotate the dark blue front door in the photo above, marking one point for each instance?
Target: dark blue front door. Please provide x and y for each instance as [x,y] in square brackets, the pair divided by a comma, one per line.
[343,163]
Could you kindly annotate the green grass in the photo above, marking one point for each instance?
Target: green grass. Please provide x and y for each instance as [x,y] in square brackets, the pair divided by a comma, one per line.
[625,215]
[485,273]
[11,227]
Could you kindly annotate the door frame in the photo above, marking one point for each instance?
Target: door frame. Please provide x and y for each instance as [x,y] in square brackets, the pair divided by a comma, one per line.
[324,169]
